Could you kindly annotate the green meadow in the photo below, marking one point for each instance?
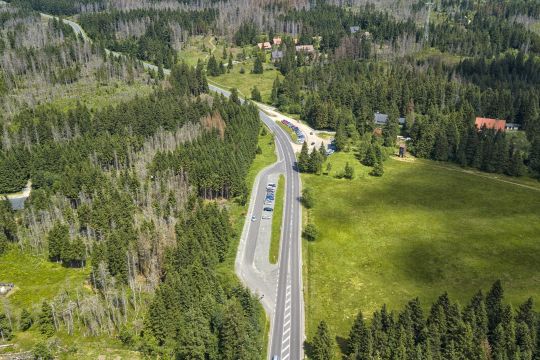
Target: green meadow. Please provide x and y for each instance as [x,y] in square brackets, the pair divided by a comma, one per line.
[420,230]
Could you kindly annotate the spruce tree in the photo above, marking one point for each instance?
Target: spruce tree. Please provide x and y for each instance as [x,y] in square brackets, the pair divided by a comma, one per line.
[494,307]
[58,241]
[6,332]
[256,94]
[26,320]
[359,343]
[46,320]
[257,65]
[378,169]
[303,158]
[274,97]
[322,343]
[230,62]
[348,171]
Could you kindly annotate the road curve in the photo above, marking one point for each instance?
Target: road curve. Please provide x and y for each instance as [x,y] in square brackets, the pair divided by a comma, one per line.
[286,311]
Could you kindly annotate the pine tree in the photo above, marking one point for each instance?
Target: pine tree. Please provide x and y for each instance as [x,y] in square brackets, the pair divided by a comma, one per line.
[230,62]
[256,94]
[303,158]
[315,162]
[46,320]
[359,342]
[26,320]
[58,241]
[6,332]
[234,96]
[274,97]
[322,151]
[378,169]
[257,66]
[494,307]
[348,171]
[322,343]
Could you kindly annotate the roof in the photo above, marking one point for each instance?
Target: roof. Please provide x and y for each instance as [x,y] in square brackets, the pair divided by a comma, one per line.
[277,40]
[513,125]
[266,45]
[277,54]
[496,124]
[401,120]
[380,118]
[354,29]
[307,48]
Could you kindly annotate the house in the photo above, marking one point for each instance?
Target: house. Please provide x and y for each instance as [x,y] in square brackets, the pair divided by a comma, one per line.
[276,41]
[305,48]
[265,45]
[496,124]
[354,29]
[380,119]
[512,126]
[277,55]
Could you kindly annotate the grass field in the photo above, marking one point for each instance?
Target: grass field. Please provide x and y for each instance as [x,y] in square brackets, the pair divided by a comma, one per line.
[421,229]
[36,280]
[245,82]
[277,218]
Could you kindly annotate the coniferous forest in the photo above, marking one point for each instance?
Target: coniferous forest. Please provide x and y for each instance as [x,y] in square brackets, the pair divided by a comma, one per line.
[137,189]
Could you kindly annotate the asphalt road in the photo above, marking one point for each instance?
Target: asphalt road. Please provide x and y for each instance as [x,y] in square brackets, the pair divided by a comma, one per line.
[287,325]
[287,309]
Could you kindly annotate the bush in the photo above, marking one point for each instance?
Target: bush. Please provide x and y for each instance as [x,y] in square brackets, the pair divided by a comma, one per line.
[310,232]
[125,336]
[42,352]
[242,70]
[308,200]
[258,151]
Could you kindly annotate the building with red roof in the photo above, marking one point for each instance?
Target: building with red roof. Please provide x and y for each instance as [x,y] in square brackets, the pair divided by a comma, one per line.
[490,123]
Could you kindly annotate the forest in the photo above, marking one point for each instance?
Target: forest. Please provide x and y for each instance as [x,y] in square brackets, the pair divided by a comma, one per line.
[124,189]
[139,191]
[486,328]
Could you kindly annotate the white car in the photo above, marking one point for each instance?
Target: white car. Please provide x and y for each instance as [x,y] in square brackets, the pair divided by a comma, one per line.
[253,218]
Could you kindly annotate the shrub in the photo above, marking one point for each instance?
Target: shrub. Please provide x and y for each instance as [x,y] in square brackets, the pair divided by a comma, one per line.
[310,232]
[308,200]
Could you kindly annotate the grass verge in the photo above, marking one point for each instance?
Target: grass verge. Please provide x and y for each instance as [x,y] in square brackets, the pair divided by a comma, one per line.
[420,230]
[289,131]
[277,219]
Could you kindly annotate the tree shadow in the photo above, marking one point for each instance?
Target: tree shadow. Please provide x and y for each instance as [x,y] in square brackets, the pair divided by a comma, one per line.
[342,343]
[308,349]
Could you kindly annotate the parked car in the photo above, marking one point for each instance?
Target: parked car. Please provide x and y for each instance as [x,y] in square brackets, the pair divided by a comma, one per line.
[268,209]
